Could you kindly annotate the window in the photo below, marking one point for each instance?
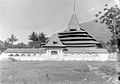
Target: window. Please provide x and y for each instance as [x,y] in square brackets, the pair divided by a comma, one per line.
[17,55]
[54,42]
[65,49]
[54,52]
[23,55]
[72,29]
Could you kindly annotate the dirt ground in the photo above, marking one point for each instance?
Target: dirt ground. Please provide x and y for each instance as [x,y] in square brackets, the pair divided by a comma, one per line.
[49,72]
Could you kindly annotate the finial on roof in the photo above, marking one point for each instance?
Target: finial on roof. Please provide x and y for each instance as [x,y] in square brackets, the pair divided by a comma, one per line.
[74,22]
[74,7]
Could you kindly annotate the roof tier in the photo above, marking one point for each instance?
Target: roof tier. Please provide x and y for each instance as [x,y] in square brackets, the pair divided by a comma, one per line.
[73,36]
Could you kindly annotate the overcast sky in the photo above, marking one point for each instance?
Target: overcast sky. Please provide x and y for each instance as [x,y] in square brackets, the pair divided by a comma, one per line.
[21,17]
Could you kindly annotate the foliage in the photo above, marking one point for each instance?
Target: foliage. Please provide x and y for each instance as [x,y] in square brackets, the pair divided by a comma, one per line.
[33,37]
[34,44]
[101,44]
[37,40]
[42,38]
[12,39]
[111,18]
[7,44]
[109,47]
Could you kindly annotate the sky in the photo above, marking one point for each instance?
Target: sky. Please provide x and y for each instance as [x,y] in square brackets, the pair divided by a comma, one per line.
[22,17]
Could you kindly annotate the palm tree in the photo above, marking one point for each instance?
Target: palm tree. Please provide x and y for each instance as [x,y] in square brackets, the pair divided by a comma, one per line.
[12,39]
[33,37]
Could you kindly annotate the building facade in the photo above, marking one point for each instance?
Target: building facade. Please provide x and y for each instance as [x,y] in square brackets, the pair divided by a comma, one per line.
[74,43]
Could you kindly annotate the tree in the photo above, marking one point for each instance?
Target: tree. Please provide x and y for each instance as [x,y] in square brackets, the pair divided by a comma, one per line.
[2,46]
[101,44]
[37,39]
[42,38]
[12,39]
[7,44]
[33,37]
[111,18]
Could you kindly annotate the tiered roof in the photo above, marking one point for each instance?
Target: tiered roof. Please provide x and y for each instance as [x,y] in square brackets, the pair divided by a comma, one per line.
[77,39]
[54,42]
[73,36]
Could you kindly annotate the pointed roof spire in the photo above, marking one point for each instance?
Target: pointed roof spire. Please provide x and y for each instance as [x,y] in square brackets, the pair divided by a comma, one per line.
[74,22]
[74,7]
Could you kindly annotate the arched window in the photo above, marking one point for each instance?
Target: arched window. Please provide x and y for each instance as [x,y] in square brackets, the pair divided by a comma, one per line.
[23,55]
[17,55]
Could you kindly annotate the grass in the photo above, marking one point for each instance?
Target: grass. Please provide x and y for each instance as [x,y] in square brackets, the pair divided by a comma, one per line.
[51,72]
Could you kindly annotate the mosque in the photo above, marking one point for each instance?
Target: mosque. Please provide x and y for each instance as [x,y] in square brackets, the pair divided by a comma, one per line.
[74,43]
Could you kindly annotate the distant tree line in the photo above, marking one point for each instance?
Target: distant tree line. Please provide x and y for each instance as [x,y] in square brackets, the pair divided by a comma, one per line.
[37,40]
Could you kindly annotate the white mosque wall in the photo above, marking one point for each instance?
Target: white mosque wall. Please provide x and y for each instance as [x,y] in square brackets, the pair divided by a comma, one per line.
[61,57]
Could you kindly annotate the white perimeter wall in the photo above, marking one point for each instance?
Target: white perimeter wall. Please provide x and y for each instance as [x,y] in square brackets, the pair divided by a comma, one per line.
[63,57]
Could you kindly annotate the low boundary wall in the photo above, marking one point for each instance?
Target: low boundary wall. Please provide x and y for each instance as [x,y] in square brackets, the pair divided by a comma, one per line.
[63,57]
